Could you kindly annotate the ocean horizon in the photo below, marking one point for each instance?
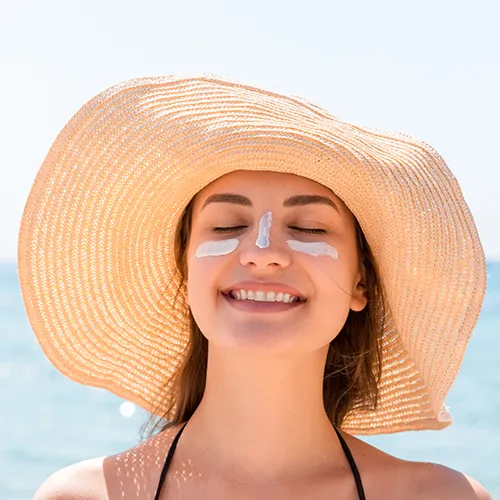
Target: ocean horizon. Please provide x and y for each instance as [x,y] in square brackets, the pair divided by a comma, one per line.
[50,421]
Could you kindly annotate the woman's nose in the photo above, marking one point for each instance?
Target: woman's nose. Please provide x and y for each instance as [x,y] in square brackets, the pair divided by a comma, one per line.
[273,253]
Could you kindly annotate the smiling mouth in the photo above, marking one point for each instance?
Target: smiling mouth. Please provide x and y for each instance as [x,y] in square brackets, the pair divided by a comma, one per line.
[261,306]
[261,296]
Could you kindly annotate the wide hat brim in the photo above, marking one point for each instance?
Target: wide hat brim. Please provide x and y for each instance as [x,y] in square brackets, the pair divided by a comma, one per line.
[96,260]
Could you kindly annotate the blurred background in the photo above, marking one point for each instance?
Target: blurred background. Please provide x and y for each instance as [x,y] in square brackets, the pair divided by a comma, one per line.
[430,69]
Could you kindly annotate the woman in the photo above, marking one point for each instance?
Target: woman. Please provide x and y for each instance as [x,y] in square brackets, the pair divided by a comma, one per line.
[268,278]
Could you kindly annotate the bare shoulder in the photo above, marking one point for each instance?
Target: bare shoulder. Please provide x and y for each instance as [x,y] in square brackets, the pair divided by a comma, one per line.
[80,481]
[433,481]
[387,476]
[112,477]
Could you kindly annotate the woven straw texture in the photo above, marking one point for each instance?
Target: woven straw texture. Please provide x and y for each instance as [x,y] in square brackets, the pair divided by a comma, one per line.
[95,254]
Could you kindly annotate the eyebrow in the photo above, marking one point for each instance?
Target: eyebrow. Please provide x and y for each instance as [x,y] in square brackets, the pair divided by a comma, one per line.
[298,200]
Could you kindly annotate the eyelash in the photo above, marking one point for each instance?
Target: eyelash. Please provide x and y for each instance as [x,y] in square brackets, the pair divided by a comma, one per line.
[302,229]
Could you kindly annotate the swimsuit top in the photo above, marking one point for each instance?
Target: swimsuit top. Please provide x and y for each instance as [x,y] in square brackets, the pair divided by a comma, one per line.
[347,452]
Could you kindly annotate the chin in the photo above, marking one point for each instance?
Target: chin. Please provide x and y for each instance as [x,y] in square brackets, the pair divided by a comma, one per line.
[258,336]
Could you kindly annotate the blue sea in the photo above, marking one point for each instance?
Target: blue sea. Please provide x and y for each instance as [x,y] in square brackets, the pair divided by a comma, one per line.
[48,421]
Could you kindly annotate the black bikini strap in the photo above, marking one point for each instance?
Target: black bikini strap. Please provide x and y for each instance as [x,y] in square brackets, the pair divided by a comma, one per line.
[354,469]
[355,472]
[167,461]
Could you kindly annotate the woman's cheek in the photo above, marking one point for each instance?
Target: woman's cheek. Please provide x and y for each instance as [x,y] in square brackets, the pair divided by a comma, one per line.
[204,278]
[331,279]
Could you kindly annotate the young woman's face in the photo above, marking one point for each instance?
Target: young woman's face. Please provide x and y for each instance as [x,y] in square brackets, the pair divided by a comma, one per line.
[255,232]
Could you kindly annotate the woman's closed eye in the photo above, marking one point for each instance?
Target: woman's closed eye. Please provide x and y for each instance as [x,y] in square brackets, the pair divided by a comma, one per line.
[295,228]
[308,230]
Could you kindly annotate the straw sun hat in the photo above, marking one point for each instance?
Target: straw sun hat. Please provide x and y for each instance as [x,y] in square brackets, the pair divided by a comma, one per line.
[96,243]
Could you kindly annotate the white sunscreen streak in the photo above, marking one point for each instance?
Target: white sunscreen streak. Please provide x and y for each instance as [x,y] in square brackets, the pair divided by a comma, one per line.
[264,227]
[315,248]
[216,248]
[224,247]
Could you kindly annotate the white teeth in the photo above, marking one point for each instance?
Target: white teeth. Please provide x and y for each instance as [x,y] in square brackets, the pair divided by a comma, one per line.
[261,296]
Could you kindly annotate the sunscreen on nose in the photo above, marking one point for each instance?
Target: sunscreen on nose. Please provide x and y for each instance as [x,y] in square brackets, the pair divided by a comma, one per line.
[264,228]
[216,248]
[314,248]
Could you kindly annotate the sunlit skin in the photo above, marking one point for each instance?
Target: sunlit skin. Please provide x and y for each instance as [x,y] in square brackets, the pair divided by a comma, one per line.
[328,285]
[262,412]
[261,431]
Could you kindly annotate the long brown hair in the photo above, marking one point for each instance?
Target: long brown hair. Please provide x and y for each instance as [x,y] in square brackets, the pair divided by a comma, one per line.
[353,364]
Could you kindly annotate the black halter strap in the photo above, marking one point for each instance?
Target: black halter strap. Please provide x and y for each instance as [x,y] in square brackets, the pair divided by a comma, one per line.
[350,459]
[167,461]
[352,463]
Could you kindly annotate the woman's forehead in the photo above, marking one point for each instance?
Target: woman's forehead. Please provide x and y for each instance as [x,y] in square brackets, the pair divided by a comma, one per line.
[260,183]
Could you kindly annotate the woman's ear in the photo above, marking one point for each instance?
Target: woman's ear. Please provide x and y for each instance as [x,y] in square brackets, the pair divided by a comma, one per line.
[359,298]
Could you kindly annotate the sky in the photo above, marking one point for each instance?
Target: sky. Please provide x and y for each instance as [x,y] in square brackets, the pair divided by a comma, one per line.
[430,69]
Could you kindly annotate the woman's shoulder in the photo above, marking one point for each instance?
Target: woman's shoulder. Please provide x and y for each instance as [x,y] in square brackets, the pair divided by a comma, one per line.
[80,481]
[434,481]
[386,476]
[113,476]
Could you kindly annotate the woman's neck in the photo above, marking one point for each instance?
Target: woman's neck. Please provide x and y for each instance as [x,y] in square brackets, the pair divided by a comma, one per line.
[264,416]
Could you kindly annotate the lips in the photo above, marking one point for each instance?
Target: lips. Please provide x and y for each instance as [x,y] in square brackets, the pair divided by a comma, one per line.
[260,296]
[265,286]
[252,306]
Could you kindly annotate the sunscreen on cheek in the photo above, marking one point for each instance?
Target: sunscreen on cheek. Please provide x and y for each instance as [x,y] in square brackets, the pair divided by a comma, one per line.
[216,248]
[264,228]
[315,248]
